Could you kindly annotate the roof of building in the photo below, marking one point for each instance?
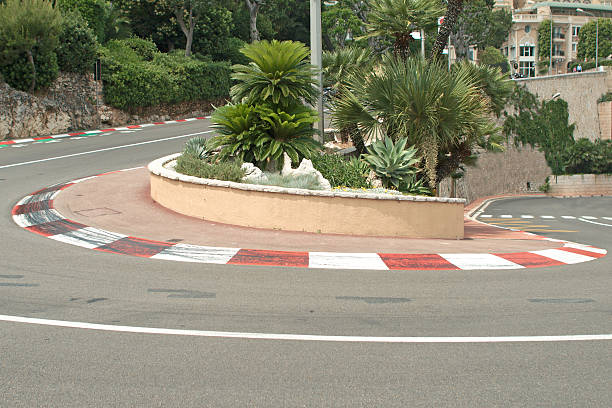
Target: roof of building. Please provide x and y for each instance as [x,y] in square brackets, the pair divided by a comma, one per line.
[557,4]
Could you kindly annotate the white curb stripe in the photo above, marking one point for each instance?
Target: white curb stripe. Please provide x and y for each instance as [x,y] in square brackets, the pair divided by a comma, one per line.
[339,260]
[301,337]
[37,218]
[88,237]
[563,256]
[586,248]
[195,253]
[480,261]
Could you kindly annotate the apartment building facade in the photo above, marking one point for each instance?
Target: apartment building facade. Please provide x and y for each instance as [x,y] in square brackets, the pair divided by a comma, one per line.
[521,47]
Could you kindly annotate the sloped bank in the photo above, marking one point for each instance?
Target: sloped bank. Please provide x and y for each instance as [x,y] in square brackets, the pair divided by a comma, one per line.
[288,209]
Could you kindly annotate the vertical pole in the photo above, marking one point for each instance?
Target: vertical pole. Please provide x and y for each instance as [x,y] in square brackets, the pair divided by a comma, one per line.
[316,57]
[423,43]
[596,41]
[551,43]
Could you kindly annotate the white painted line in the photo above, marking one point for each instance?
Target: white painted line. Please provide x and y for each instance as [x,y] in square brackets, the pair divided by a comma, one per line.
[338,260]
[60,136]
[526,216]
[480,261]
[585,248]
[588,217]
[300,337]
[16,145]
[83,179]
[25,200]
[505,216]
[563,256]
[593,222]
[548,217]
[133,168]
[88,237]
[568,217]
[23,140]
[37,218]
[607,218]
[103,150]
[190,119]
[485,216]
[146,125]
[195,253]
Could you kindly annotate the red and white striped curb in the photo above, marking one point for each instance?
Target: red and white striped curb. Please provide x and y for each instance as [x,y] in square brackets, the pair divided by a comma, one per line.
[37,214]
[92,132]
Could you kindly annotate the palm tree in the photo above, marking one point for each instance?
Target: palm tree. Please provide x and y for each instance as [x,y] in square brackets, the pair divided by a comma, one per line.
[453,10]
[279,74]
[437,110]
[399,18]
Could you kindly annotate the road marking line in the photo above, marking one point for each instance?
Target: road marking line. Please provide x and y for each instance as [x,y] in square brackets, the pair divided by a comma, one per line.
[301,337]
[563,256]
[338,260]
[588,217]
[485,216]
[480,261]
[526,216]
[505,216]
[593,222]
[548,217]
[103,150]
[568,217]
[586,248]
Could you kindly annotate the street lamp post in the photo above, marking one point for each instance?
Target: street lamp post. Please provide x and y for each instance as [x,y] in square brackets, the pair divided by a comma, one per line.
[551,44]
[579,10]
[316,57]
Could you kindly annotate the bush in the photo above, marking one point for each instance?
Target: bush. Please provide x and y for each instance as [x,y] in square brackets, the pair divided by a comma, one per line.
[130,81]
[77,50]
[19,74]
[586,157]
[304,181]
[340,172]
[93,11]
[191,165]
[230,51]
[590,64]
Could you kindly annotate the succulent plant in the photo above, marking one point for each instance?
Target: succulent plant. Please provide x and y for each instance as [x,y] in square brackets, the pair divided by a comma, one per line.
[198,147]
[392,162]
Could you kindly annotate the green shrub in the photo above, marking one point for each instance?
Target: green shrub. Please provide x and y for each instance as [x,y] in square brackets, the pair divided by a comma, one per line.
[590,64]
[77,50]
[198,146]
[93,11]
[341,172]
[19,74]
[607,97]
[191,165]
[145,49]
[130,81]
[586,157]
[304,181]
[230,51]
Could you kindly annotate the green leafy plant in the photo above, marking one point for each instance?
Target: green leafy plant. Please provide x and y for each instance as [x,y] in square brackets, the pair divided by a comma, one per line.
[341,172]
[545,187]
[304,181]
[278,74]
[198,147]
[391,161]
[77,50]
[192,165]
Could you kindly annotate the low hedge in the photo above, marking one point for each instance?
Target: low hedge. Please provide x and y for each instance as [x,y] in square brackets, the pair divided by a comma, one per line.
[131,80]
[194,166]
[589,64]
[339,171]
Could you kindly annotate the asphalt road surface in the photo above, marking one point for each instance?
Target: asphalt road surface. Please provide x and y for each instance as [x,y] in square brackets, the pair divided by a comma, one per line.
[80,367]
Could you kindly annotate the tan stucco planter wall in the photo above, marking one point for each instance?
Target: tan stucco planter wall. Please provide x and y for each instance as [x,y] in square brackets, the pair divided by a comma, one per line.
[581,184]
[288,209]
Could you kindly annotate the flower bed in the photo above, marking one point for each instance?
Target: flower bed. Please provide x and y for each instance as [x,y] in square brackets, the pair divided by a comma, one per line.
[289,209]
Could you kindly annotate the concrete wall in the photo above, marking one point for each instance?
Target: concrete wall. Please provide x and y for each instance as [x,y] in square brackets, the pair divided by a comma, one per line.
[581,184]
[500,173]
[272,207]
[605,120]
[581,92]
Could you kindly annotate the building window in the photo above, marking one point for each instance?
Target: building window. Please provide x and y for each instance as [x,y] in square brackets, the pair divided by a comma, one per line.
[527,28]
[558,33]
[513,52]
[527,68]
[575,30]
[558,50]
[574,47]
[527,51]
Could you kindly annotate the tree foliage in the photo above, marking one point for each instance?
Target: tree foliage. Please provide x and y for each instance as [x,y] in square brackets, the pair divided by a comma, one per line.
[544,40]
[586,36]
[77,50]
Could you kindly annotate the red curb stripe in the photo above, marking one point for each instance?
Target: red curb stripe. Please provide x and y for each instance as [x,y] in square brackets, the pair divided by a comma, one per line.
[159,123]
[76,134]
[32,207]
[583,252]
[9,142]
[529,260]
[272,258]
[56,227]
[134,127]
[51,189]
[133,246]
[201,117]
[107,130]
[42,138]
[416,262]
[181,120]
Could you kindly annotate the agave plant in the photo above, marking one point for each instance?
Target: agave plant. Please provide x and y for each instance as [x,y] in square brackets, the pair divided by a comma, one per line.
[198,147]
[279,74]
[392,162]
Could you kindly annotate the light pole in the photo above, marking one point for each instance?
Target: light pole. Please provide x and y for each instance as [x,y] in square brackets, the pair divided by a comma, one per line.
[579,10]
[316,56]
[551,43]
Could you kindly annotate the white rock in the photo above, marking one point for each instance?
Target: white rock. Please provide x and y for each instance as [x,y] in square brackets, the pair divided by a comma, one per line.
[375,182]
[252,173]
[305,167]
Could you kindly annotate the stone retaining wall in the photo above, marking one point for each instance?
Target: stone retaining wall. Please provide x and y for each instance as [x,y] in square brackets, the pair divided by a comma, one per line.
[581,184]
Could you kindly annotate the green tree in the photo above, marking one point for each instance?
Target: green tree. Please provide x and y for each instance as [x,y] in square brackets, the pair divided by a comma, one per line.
[436,110]
[187,13]
[586,36]
[77,48]
[29,27]
[93,11]
[339,23]
[544,40]
[453,10]
[480,25]
[492,56]
[399,18]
